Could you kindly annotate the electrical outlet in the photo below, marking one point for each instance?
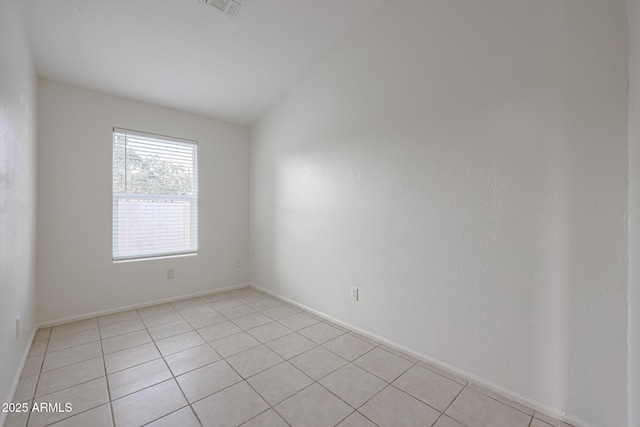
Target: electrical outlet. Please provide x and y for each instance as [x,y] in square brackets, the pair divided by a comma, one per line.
[170,273]
[17,327]
[238,263]
[354,294]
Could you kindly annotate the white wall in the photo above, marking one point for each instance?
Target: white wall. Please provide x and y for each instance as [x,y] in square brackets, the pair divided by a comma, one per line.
[464,164]
[634,212]
[17,193]
[74,270]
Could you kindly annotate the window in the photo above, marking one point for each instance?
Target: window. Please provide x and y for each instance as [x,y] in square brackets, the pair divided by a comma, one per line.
[155,196]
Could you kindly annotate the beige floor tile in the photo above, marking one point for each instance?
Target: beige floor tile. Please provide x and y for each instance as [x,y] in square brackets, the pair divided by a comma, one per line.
[474,409]
[191,359]
[72,340]
[265,304]
[298,321]
[121,328]
[356,420]
[26,389]
[123,342]
[318,362]
[291,345]
[252,320]
[279,382]
[215,297]
[134,379]
[549,420]
[337,326]
[155,310]
[17,419]
[186,303]
[352,384]
[240,291]
[207,380]
[433,389]
[230,407]
[82,397]
[123,316]
[196,310]
[42,335]
[69,356]
[162,319]
[181,418]
[281,311]
[73,327]
[32,366]
[348,347]
[237,311]
[320,333]
[394,408]
[383,364]
[148,405]
[254,360]
[442,372]
[38,348]
[223,304]
[313,407]
[364,338]
[206,320]
[251,297]
[269,332]
[69,376]
[131,357]
[500,398]
[219,331]
[96,417]
[257,335]
[538,423]
[445,421]
[233,344]
[268,418]
[399,353]
[179,343]
[170,329]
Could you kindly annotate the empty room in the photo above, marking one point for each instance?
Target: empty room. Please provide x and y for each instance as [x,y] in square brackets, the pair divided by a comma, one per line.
[325,213]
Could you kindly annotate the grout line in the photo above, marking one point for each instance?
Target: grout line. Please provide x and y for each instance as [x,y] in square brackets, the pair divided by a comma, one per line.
[449,405]
[35,390]
[67,388]
[414,362]
[175,380]
[266,410]
[106,379]
[499,401]
[171,413]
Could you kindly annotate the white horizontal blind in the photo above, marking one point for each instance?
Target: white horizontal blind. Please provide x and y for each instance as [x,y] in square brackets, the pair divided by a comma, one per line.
[155,195]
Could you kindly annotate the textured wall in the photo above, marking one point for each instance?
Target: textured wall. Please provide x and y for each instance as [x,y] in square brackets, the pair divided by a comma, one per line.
[75,273]
[634,212]
[464,164]
[17,192]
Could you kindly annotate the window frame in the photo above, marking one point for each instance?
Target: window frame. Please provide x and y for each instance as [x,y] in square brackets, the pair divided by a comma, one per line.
[195,199]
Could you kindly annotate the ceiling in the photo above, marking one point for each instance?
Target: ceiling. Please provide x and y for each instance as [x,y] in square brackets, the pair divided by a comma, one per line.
[184,54]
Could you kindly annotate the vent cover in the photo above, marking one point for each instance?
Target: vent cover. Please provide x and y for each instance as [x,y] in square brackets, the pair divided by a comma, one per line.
[231,8]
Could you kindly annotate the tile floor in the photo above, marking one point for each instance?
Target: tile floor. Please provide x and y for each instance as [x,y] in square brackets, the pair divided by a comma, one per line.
[242,358]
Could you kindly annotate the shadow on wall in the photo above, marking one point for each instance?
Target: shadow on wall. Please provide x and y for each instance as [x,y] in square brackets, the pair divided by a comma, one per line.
[474,189]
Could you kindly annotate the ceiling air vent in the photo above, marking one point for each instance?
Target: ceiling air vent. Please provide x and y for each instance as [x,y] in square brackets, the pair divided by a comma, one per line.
[231,8]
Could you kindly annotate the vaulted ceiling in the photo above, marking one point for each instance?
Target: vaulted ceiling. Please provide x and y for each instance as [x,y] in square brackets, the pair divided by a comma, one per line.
[186,55]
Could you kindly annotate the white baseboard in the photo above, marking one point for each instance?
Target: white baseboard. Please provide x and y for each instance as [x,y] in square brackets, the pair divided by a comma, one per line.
[523,400]
[16,378]
[49,323]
